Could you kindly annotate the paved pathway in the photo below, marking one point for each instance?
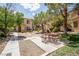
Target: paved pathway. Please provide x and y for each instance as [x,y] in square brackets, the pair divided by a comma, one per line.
[46,47]
[12,47]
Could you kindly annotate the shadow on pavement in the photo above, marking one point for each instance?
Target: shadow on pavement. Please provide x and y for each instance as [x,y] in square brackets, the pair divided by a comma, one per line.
[18,38]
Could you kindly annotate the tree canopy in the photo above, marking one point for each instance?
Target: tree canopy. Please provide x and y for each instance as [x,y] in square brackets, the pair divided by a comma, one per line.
[8,18]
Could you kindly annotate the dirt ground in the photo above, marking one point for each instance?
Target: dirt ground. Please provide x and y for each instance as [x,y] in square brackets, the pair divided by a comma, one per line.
[2,46]
[28,48]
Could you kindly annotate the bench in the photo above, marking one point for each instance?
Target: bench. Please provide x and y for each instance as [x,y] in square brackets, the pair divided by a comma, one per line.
[48,37]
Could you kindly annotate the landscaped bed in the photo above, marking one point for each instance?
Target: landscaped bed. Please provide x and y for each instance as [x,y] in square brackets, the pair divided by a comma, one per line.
[28,48]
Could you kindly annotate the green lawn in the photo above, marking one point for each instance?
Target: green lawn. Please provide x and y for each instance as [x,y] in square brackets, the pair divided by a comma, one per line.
[66,51]
[71,49]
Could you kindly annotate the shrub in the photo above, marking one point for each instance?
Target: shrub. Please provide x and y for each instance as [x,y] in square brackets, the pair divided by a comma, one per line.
[69,37]
[64,37]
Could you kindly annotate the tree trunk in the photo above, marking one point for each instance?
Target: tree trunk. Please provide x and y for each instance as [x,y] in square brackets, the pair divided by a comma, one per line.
[42,27]
[5,23]
[19,28]
[65,20]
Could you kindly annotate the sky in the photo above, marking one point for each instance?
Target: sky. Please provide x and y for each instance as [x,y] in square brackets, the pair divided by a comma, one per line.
[31,9]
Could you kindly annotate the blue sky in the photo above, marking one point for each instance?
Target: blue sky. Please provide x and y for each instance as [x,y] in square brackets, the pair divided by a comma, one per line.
[31,9]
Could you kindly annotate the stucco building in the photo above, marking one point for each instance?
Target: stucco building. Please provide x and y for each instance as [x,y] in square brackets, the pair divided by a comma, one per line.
[75,19]
[26,25]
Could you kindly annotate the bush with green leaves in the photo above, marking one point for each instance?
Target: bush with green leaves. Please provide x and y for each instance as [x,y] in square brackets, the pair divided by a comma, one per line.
[69,37]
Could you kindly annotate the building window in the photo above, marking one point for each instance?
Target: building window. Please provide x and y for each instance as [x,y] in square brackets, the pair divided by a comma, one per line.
[75,23]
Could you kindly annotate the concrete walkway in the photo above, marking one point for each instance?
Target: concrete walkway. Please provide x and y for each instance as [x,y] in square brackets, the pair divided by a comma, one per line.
[49,47]
[12,47]
[45,46]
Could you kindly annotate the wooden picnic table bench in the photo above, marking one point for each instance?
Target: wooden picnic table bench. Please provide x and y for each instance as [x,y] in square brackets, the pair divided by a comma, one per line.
[48,37]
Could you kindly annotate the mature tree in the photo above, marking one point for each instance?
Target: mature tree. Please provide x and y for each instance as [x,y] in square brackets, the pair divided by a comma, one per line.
[56,23]
[6,14]
[40,19]
[19,19]
[6,17]
[59,9]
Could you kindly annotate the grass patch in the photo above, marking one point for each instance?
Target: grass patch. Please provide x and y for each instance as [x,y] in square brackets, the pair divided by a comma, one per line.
[71,48]
[66,51]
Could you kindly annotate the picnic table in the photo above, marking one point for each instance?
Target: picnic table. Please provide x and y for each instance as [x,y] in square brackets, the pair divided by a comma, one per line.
[50,37]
